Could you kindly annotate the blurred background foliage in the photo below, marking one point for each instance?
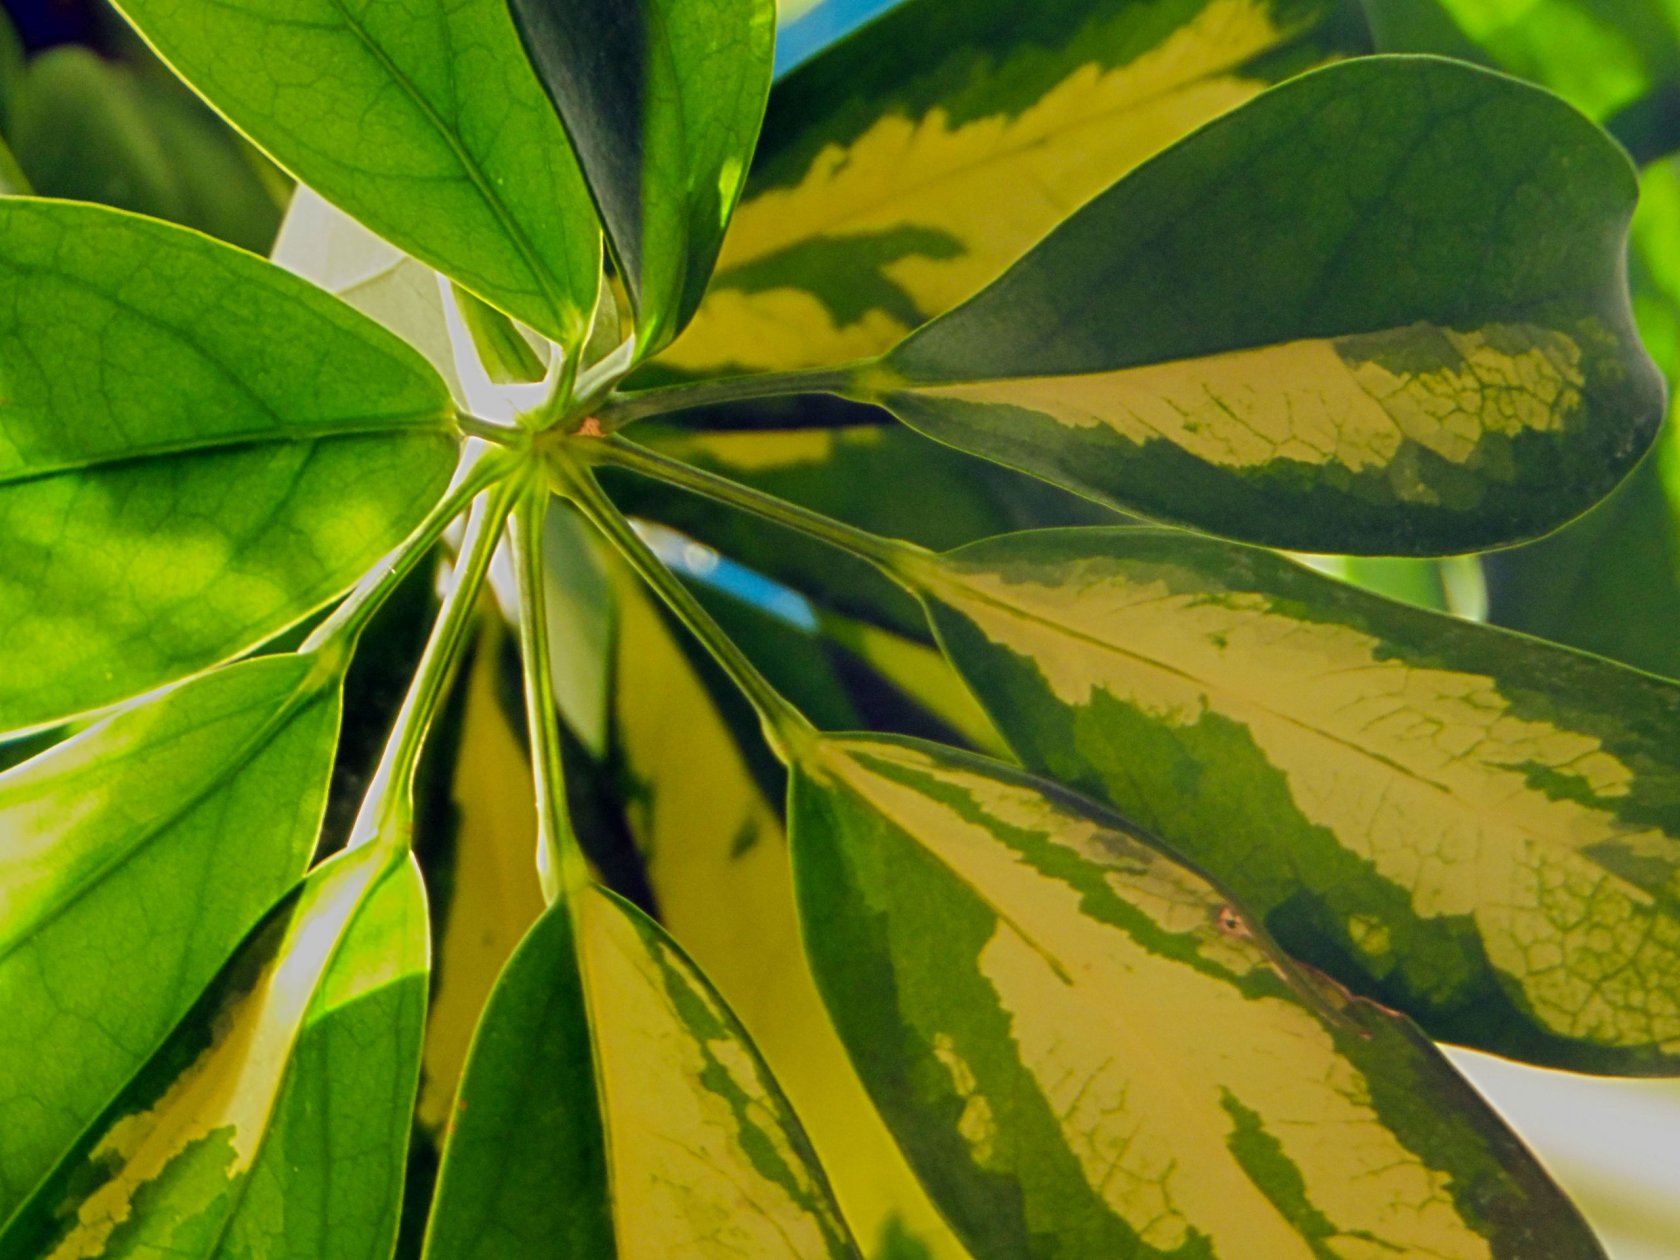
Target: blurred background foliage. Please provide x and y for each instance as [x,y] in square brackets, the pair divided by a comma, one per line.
[87,113]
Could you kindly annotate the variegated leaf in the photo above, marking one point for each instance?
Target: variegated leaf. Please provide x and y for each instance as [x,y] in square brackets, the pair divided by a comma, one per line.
[1380,308]
[904,168]
[612,1106]
[275,1120]
[133,860]
[1087,1049]
[1477,828]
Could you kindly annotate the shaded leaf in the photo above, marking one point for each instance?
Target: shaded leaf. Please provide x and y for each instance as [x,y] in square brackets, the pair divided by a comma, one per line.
[662,99]
[94,130]
[904,168]
[613,1106]
[276,1117]
[428,127]
[1476,828]
[136,857]
[1249,338]
[196,450]
[1086,1049]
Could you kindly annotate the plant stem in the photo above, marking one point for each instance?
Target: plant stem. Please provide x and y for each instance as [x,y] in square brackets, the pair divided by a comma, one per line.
[560,864]
[386,812]
[893,556]
[620,409]
[480,466]
[786,729]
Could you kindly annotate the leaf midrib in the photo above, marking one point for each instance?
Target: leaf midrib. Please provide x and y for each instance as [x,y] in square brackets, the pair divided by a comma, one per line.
[468,164]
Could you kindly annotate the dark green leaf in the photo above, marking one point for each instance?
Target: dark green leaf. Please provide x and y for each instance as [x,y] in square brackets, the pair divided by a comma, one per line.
[1476,828]
[1381,308]
[662,99]
[613,1106]
[1086,1049]
[428,126]
[196,450]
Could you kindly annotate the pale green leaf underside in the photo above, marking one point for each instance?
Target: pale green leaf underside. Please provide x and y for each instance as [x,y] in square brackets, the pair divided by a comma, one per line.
[1429,350]
[1476,828]
[663,1133]
[1087,1050]
[425,122]
[196,450]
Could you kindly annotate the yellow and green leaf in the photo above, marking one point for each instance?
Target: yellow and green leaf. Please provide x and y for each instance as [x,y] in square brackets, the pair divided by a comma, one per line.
[1430,350]
[1087,1048]
[1476,828]
[136,856]
[906,167]
[711,837]
[612,1106]
[196,451]
[275,1119]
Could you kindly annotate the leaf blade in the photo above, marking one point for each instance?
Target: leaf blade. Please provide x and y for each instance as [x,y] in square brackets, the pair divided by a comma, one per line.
[905,168]
[1085,1048]
[448,104]
[1438,813]
[663,102]
[1352,371]
[267,445]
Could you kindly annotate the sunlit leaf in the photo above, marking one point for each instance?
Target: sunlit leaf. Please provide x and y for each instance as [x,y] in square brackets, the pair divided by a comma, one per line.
[613,1106]
[196,450]
[662,99]
[710,837]
[904,168]
[136,857]
[275,1119]
[430,127]
[1478,829]
[1086,1049]
[1256,340]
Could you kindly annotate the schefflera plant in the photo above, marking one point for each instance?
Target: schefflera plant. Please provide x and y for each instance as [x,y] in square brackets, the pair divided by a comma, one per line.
[1164,988]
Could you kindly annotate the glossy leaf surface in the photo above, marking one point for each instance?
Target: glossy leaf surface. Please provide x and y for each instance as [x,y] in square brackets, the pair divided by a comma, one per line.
[906,167]
[612,1106]
[662,99]
[136,857]
[428,126]
[1246,337]
[196,450]
[1476,828]
[275,1119]
[1086,1049]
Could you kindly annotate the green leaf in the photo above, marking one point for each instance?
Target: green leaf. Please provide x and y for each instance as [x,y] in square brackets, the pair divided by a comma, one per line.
[121,894]
[662,99]
[659,1130]
[1427,351]
[906,167]
[1086,1049]
[275,1119]
[431,128]
[196,450]
[88,129]
[1473,827]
